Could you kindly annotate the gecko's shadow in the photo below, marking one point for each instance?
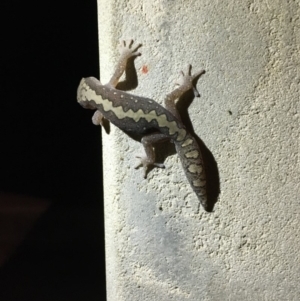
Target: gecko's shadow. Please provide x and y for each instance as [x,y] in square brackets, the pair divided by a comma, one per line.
[212,174]
[210,164]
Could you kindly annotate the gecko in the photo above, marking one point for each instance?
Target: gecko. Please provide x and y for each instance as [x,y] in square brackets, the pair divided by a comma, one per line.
[145,117]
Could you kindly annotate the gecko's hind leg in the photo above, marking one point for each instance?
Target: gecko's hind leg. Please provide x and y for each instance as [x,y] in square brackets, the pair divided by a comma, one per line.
[149,159]
[185,83]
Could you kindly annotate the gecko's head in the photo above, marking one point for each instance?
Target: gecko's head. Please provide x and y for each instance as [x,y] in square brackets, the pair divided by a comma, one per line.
[86,91]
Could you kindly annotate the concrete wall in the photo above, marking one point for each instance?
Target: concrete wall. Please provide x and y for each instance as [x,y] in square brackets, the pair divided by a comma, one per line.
[159,244]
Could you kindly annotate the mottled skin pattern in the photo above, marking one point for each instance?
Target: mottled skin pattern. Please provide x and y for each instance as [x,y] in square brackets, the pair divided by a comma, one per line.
[145,117]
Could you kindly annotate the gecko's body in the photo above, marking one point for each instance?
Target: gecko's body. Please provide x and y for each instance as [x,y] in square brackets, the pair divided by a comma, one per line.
[145,117]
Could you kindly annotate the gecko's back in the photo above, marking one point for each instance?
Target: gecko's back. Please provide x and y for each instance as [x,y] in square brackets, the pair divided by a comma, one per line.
[130,113]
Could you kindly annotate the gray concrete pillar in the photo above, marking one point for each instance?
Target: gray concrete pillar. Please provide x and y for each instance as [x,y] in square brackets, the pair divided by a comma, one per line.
[159,244]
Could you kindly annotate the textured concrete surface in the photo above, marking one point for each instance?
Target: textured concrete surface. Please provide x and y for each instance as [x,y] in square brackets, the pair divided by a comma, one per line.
[159,244]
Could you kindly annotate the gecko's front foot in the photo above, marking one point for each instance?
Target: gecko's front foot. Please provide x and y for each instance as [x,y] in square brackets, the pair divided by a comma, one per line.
[128,49]
[186,80]
[98,118]
[146,163]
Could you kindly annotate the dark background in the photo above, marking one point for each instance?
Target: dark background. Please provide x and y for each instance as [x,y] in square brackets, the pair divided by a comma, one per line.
[51,213]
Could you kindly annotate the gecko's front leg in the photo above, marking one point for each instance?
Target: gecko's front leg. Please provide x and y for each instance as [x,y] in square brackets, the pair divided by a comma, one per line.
[127,51]
[185,83]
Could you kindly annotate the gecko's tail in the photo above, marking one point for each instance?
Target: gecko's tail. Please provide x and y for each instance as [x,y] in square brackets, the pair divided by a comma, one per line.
[192,162]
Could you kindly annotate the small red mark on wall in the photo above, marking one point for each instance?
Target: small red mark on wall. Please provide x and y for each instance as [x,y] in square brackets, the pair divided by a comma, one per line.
[145,69]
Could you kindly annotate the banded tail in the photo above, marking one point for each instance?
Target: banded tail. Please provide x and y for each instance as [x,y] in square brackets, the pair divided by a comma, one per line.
[192,163]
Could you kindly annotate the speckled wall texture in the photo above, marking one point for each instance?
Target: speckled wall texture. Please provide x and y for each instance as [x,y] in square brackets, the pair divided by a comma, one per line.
[160,245]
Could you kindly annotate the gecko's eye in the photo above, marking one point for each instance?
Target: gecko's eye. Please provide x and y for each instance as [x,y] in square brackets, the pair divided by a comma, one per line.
[86,104]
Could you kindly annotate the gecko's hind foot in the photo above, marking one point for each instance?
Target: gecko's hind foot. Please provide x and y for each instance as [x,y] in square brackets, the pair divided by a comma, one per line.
[187,78]
[146,163]
[128,49]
